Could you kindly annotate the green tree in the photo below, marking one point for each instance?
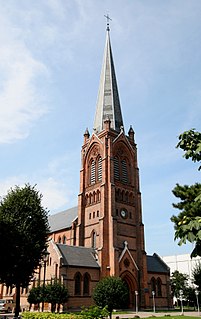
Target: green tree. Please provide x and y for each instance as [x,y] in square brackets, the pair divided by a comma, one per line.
[196,274]
[35,296]
[23,237]
[111,292]
[179,282]
[187,224]
[56,294]
[190,143]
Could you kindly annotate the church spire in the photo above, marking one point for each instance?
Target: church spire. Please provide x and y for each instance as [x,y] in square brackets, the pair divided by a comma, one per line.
[108,104]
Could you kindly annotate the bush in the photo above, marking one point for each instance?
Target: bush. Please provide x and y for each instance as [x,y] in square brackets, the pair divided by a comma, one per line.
[49,315]
[94,312]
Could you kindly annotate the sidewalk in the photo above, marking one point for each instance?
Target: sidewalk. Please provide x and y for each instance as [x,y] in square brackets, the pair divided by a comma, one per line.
[145,314]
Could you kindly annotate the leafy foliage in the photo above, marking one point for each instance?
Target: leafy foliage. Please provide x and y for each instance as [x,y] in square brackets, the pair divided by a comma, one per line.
[178,282]
[23,236]
[35,295]
[94,312]
[187,224]
[46,315]
[55,293]
[190,142]
[111,292]
[196,273]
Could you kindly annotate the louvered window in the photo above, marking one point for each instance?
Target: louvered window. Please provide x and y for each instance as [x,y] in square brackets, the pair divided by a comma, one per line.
[100,169]
[124,172]
[93,172]
[116,168]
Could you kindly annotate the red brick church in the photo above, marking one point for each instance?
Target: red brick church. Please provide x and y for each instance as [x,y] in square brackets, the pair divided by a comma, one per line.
[104,234]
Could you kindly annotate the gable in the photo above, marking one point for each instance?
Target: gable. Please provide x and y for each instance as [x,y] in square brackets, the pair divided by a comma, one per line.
[157,265]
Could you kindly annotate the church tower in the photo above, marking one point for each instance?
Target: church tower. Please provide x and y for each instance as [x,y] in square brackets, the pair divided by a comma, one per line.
[109,203]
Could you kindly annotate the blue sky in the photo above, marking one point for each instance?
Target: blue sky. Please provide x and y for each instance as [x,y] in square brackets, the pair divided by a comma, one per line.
[50,60]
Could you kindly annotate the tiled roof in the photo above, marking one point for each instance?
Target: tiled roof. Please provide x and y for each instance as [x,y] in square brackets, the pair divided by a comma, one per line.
[108,103]
[63,219]
[78,256]
[156,264]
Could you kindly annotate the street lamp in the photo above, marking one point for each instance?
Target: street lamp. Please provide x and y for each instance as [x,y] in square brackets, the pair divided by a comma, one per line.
[45,260]
[197,294]
[136,301]
[154,307]
[181,300]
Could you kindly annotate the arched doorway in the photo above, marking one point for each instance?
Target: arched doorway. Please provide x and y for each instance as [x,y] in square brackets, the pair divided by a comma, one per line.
[131,283]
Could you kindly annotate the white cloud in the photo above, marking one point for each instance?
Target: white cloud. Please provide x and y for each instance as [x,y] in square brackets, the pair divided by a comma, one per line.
[20,104]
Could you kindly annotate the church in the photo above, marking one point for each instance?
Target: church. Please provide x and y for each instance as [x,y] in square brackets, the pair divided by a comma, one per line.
[104,235]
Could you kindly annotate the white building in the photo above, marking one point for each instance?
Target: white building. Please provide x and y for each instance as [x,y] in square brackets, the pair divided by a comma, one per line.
[182,263]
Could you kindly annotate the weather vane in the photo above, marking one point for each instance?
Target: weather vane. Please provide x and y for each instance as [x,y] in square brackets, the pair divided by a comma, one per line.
[108,21]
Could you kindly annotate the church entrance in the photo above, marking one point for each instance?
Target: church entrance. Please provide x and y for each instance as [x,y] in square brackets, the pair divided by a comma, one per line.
[132,288]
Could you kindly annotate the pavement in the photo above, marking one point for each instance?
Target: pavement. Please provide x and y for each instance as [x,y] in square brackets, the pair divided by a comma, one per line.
[144,314]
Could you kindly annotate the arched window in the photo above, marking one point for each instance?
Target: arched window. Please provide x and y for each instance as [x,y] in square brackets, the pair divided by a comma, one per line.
[159,290]
[116,168]
[94,197]
[64,239]
[93,172]
[124,170]
[86,281]
[153,284]
[100,169]
[59,240]
[93,239]
[77,283]
[98,196]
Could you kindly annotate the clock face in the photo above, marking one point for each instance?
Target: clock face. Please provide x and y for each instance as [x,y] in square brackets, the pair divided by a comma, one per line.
[124,213]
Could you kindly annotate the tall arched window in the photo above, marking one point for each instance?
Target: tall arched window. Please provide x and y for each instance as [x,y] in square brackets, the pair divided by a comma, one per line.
[159,288]
[64,239]
[93,239]
[59,240]
[86,281]
[100,169]
[153,284]
[77,283]
[93,172]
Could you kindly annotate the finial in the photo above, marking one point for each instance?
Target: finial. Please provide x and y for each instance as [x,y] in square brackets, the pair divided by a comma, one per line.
[108,21]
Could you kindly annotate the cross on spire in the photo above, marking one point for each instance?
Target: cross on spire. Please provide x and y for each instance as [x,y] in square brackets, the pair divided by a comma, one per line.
[108,21]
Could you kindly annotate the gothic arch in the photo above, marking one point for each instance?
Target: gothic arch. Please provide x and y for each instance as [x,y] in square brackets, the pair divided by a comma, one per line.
[132,285]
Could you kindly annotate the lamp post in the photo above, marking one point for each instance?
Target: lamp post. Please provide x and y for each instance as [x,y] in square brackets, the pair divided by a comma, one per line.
[136,301]
[45,259]
[181,300]
[154,307]
[197,294]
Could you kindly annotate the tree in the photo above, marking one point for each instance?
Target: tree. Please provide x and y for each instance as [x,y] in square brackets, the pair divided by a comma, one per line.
[187,224]
[35,296]
[178,282]
[196,273]
[23,237]
[56,294]
[111,292]
[190,142]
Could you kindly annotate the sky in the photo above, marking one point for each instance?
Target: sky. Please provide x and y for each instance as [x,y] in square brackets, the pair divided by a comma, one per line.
[50,61]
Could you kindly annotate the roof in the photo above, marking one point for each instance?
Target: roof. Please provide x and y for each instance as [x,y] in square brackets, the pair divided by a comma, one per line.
[63,219]
[156,264]
[78,256]
[108,103]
